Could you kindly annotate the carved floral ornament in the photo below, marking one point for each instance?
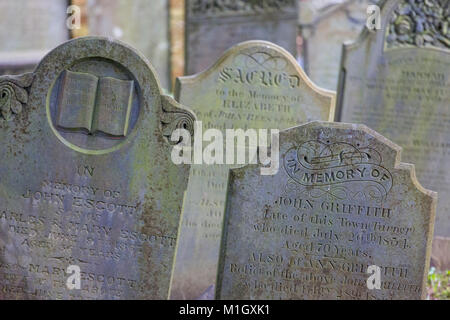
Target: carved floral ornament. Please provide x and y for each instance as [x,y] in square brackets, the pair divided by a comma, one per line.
[319,168]
[173,117]
[420,23]
[13,95]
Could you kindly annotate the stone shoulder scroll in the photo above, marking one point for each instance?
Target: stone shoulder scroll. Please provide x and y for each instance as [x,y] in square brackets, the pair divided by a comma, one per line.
[13,94]
[88,190]
[341,204]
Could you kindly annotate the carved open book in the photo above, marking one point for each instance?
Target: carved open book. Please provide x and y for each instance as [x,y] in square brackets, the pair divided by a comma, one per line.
[92,104]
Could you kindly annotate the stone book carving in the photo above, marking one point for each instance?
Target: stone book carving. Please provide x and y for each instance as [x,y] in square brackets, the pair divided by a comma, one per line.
[88,189]
[87,102]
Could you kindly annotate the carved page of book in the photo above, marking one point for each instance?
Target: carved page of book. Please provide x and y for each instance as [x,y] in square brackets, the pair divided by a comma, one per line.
[114,101]
[77,100]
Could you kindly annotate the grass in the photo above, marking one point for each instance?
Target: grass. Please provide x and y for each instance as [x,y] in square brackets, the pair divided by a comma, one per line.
[438,285]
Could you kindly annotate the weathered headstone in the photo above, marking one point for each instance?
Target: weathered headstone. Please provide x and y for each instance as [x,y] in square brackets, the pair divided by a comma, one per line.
[143,24]
[397,81]
[342,201]
[86,177]
[254,85]
[28,30]
[323,33]
[213,26]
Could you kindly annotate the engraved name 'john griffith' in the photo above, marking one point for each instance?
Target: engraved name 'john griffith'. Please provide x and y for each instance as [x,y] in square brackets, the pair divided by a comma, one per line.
[342,203]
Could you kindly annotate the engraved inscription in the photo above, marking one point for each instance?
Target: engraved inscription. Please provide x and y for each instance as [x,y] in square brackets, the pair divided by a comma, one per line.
[320,164]
[78,224]
[287,239]
[260,68]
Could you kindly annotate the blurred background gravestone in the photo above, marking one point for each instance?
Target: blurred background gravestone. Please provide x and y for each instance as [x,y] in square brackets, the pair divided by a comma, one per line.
[342,201]
[396,81]
[212,27]
[28,30]
[141,23]
[324,26]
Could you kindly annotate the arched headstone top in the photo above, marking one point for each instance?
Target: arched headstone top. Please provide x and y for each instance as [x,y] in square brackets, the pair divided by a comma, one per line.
[96,93]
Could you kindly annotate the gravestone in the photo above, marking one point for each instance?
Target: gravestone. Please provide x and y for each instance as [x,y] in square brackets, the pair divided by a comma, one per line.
[213,26]
[396,81]
[87,178]
[341,201]
[254,85]
[323,33]
[141,23]
[28,30]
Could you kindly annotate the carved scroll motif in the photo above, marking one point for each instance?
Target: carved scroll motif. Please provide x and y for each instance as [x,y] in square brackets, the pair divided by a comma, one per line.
[174,117]
[13,94]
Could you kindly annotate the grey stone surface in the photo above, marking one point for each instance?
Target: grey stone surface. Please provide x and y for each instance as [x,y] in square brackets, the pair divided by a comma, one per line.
[213,27]
[143,24]
[396,81]
[324,31]
[28,30]
[86,176]
[342,201]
